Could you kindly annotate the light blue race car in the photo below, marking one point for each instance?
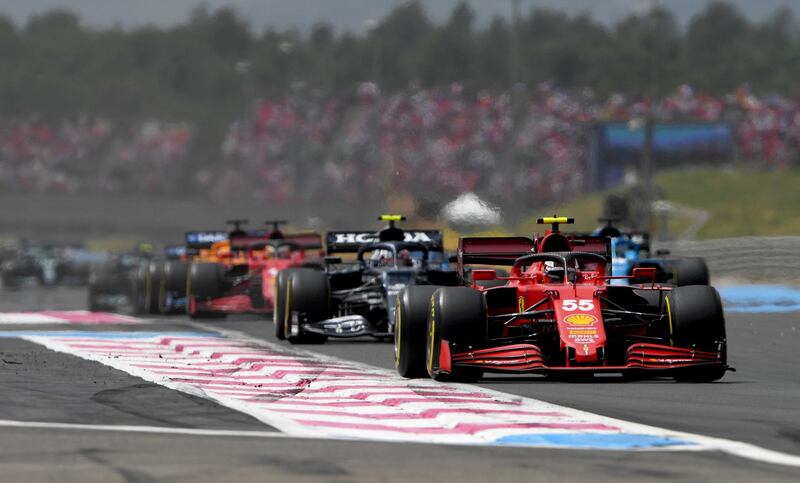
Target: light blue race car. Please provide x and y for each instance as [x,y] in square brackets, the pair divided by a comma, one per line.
[632,250]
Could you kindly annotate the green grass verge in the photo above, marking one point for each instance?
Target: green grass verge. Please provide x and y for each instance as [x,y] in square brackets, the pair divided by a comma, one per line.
[742,202]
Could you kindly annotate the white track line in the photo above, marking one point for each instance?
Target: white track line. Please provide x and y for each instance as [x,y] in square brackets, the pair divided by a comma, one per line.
[737,448]
[291,426]
[6,423]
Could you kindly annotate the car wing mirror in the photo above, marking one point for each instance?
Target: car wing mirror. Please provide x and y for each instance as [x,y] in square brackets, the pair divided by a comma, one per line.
[483,275]
[644,273]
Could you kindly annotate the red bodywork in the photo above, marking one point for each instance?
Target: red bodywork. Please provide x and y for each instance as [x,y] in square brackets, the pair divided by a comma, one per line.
[254,264]
[567,315]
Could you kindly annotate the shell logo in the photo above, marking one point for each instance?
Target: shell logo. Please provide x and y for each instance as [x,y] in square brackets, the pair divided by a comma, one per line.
[580,319]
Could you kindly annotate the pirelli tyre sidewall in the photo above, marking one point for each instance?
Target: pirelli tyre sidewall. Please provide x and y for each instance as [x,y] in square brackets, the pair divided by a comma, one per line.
[307,298]
[173,282]
[413,305]
[696,320]
[138,289]
[279,311]
[155,270]
[457,315]
[691,271]
[94,292]
[203,283]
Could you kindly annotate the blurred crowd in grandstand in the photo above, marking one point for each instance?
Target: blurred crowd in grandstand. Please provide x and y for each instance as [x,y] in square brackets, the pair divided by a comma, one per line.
[528,146]
[89,155]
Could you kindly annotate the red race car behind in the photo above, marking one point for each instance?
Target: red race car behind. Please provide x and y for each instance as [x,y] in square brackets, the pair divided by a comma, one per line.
[241,276]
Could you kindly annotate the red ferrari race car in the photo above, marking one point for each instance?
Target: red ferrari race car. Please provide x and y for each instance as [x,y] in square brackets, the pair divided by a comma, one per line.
[237,275]
[557,314]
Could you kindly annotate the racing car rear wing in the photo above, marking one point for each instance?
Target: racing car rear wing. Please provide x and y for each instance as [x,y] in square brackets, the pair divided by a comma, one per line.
[306,241]
[492,250]
[176,252]
[351,241]
[599,245]
[204,239]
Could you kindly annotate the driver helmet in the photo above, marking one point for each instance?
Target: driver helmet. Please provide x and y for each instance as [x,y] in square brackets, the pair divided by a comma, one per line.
[284,251]
[381,257]
[404,258]
[555,272]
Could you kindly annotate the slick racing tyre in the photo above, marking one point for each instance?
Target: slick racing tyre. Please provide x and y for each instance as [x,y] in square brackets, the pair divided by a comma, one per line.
[204,282]
[307,300]
[458,316]
[279,311]
[413,306]
[696,320]
[92,302]
[691,271]
[152,287]
[138,289]
[173,285]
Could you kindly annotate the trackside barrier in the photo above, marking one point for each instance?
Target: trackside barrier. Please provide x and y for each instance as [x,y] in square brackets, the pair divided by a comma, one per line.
[773,259]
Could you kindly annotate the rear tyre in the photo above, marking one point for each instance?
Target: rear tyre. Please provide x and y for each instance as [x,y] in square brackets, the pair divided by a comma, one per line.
[155,270]
[691,271]
[458,316]
[279,311]
[204,283]
[413,306]
[697,320]
[173,285]
[308,299]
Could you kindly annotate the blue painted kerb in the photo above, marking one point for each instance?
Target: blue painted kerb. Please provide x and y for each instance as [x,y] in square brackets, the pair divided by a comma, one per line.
[760,298]
[593,440]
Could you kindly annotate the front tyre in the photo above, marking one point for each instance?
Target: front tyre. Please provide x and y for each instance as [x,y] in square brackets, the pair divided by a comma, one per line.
[204,283]
[696,321]
[413,306]
[458,318]
[155,271]
[138,289]
[173,285]
[307,301]
[279,311]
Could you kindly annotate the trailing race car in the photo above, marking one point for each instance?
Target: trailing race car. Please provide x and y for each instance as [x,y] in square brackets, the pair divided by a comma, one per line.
[24,268]
[74,265]
[31,265]
[357,298]
[113,282]
[632,250]
[237,274]
[163,282]
[557,314]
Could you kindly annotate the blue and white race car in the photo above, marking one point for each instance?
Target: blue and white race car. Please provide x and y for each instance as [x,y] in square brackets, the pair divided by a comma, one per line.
[631,250]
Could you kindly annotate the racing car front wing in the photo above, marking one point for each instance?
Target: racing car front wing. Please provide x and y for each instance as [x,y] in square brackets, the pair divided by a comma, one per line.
[344,326]
[528,358]
[232,304]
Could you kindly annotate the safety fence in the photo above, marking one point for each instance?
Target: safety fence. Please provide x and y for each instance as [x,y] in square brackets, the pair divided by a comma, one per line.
[773,259]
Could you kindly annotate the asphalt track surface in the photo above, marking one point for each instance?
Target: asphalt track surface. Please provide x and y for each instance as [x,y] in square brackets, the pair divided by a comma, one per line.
[758,404]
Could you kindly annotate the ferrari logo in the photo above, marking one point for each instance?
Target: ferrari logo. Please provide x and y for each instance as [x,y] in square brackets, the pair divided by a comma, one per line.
[585,349]
[521,304]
